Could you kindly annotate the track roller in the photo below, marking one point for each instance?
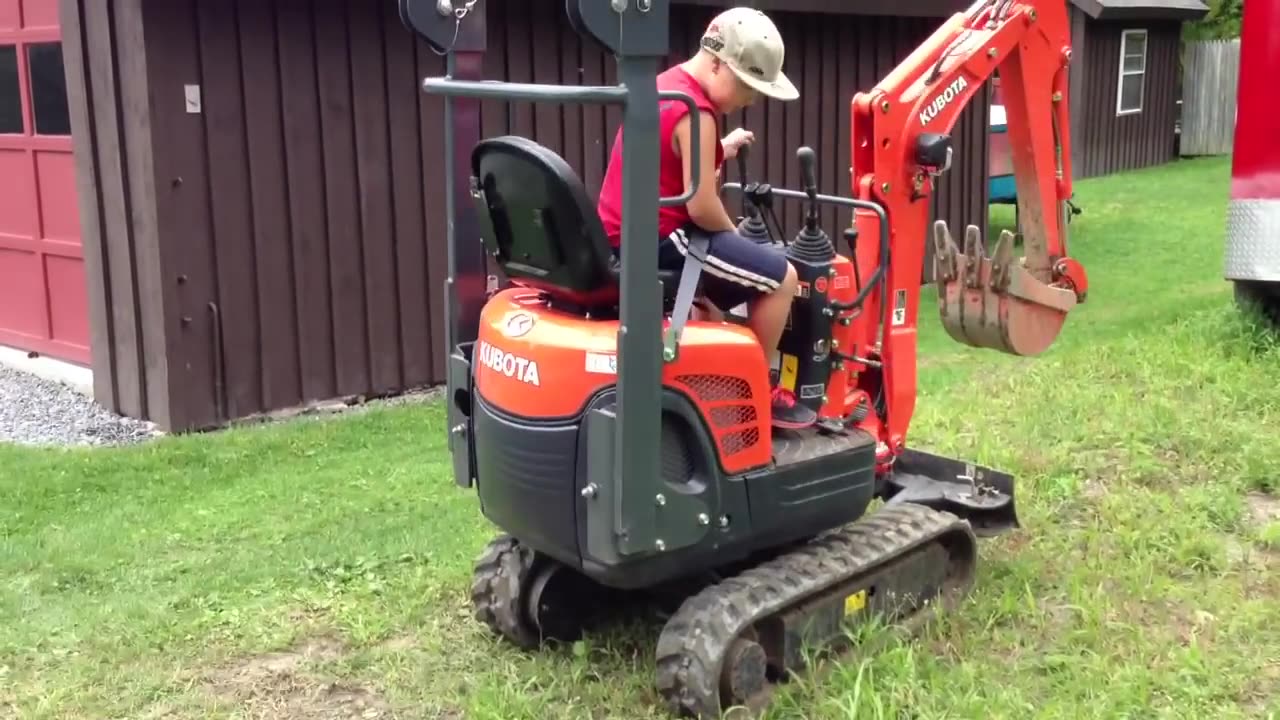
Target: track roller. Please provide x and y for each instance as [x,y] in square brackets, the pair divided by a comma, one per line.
[729,645]
[529,598]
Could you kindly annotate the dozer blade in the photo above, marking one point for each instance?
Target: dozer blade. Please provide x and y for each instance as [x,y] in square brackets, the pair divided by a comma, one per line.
[982,495]
[995,302]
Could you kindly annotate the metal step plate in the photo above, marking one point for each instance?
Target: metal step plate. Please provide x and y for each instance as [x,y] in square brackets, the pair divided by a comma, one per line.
[794,446]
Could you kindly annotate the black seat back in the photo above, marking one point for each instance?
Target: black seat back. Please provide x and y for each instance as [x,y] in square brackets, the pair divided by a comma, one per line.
[539,223]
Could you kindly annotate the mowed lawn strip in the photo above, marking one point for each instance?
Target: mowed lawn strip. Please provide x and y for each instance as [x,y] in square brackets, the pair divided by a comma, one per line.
[320,567]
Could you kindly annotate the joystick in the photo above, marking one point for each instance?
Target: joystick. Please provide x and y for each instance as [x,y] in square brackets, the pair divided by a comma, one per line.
[754,200]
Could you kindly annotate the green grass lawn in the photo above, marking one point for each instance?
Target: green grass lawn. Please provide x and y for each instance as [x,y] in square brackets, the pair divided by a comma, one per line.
[319,568]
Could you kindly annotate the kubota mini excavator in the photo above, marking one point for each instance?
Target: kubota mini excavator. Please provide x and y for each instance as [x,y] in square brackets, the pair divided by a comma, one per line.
[622,446]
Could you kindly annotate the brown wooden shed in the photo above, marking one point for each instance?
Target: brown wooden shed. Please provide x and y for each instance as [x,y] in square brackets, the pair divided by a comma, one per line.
[1125,82]
[260,182]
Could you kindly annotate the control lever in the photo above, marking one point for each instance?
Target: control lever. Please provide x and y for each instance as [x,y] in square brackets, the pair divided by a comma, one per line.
[756,198]
[811,242]
[809,177]
[742,178]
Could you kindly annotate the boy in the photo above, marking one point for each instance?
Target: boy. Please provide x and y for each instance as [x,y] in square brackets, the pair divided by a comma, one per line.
[740,58]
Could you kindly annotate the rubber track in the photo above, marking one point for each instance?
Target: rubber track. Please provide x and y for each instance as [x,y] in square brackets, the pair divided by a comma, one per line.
[498,585]
[694,642]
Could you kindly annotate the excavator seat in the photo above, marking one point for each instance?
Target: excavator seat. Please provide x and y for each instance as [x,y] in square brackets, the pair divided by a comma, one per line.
[538,222]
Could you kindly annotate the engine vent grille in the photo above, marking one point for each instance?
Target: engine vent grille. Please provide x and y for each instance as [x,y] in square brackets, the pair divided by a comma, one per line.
[716,388]
[730,407]
[726,416]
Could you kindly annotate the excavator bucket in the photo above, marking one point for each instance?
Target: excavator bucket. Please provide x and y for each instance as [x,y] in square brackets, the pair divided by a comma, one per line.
[995,302]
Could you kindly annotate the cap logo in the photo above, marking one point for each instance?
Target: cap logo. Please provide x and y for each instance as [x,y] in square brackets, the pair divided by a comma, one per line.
[713,43]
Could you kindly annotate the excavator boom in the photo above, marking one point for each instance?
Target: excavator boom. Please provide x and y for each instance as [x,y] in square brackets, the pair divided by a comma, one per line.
[900,131]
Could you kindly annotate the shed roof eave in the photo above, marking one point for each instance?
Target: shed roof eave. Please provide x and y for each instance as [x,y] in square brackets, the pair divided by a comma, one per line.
[903,8]
[1143,9]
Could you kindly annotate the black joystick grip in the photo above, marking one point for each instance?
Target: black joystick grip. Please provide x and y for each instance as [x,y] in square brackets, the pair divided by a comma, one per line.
[742,165]
[807,174]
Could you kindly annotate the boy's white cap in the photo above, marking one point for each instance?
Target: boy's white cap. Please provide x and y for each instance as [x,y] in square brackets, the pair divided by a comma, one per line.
[748,42]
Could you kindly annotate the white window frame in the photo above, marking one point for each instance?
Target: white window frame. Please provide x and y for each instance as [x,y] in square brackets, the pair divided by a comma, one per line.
[1122,74]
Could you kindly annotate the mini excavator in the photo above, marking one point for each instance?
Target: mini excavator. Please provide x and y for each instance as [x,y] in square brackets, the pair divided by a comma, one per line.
[623,446]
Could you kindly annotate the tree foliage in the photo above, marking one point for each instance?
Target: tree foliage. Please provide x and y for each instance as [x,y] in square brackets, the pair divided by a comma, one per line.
[1222,22]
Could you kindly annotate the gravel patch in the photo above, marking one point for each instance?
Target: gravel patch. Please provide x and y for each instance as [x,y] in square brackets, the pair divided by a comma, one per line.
[35,411]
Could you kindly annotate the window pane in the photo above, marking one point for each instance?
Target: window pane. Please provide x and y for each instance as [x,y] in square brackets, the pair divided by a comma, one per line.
[1135,45]
[1131,92]
[48,89]
[10,97]
[1133,64]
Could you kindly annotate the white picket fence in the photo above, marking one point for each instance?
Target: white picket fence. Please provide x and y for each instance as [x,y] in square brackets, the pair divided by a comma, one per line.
[1210,73]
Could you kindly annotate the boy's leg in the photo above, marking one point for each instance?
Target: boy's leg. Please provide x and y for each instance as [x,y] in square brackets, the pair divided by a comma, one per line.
[737,271]
[705,311]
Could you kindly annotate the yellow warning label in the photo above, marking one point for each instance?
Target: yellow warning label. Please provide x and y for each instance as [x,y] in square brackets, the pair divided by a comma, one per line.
[790,366]
[855,602]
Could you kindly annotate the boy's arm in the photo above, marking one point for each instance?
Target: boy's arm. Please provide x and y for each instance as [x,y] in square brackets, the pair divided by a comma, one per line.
[705,208]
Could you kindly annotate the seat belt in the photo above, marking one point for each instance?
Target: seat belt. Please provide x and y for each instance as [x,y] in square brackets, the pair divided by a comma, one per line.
[690,275]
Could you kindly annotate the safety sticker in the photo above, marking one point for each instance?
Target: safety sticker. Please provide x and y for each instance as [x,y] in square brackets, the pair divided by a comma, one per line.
[808,392]
[790,366]
[602,363]
[841,282]
[855,602]
[900,307]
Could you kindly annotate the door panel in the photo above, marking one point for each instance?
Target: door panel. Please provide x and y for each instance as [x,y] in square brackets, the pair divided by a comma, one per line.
[43,303]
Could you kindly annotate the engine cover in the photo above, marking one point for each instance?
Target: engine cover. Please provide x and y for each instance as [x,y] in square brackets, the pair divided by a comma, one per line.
[534,362]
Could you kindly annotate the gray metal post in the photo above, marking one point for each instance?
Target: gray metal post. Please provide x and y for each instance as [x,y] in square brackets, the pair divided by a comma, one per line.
[636,477]
[463,41]
[467,280]
[639,337]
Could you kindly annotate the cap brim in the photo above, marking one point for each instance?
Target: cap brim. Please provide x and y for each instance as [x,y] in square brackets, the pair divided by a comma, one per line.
[780,89]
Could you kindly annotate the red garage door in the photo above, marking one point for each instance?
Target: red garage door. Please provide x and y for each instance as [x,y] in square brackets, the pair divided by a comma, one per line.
[42,284]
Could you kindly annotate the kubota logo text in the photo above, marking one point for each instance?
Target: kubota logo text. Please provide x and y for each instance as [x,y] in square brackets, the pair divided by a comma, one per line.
[943,99]
[513,366]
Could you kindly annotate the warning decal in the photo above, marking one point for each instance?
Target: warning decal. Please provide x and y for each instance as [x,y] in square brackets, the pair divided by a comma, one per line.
[790,366]
[900,307]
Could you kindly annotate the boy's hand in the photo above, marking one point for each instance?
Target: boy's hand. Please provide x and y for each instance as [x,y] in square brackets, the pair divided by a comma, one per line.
[735,140]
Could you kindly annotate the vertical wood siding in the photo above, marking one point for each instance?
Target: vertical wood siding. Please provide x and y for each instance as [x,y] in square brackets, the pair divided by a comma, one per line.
[287,243]
[1210,87]
[1110,143]
[108,98]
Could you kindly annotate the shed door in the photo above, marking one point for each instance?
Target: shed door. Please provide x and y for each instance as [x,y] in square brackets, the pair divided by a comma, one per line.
[43,306]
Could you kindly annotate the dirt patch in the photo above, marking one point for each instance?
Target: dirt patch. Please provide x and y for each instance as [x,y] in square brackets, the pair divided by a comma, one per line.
[280,685]
[1093,490]
[1102,468]
[1264,509]
[399,643]
[1261,690]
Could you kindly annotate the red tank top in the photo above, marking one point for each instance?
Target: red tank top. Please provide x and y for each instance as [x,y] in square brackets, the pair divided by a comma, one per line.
[670,170]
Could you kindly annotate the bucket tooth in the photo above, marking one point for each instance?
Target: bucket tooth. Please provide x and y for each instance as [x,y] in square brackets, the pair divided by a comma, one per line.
[995,302]
[1001,260]
[974,250]
[944,252]
[951,267]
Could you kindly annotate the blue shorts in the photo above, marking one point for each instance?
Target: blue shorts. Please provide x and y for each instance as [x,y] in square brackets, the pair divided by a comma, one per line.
[737,270]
